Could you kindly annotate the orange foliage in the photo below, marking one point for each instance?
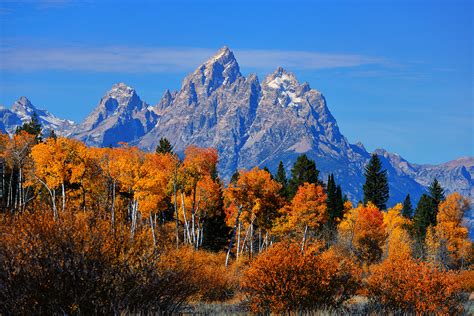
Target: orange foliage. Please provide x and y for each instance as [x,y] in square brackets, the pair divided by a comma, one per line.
[363,231]
[153,180]
[448,242]
[283,279]
[259,196]
[414,287]
[306,211]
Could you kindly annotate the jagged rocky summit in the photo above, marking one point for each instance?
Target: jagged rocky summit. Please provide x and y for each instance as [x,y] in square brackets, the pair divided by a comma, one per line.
[250,123]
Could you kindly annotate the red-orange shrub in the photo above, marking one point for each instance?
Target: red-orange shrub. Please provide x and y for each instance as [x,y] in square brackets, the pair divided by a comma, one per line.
[414,287]
[284,279]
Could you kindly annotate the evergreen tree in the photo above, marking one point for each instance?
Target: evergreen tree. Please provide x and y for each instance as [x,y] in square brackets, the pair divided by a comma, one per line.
[376,183]
[304,170]
[407,209]
[339,203]
[235,177]
[331,202]
[280,177]
[33,127]
[436,192]
[164,146]
[424,216]
[216,232]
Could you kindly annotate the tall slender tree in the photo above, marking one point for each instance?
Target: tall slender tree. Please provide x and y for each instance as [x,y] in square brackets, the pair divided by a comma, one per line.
[376,183]
[339,203]
[407,210]
[303,171]
[280,177]
[424,216]
[331,202]
[436,192]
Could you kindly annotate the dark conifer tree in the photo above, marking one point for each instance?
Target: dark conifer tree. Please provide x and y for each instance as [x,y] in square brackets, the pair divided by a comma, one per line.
[436,192]
[216,232]
[164,147]
[331,203]
[304,170]
[376,183]
[407,209]
[33,127]
[339,203]
[424,216]
[280,177]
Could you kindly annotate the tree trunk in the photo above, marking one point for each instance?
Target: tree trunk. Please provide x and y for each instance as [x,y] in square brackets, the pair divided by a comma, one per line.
[238,241]
[229,251]
[152,229]
[304,238]
[63,193]
[113,204]
[186,224]
[176,206]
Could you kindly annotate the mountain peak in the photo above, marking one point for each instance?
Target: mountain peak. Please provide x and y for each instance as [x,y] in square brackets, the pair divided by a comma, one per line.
[221,69]
[23,106]
[224,53]
[281,78]
[122,89]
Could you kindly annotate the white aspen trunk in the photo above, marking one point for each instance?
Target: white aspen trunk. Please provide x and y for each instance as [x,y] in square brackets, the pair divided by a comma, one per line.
[10,191]
[20,188]
[304,238]
[202,235]
[229,250]
[152,230]
[113,204]
[259,239]
[134,216]
[266,241]
[193,232]
[63,195]
[53,198]
[176,206]
[186,224]
[251,239]
[244,242]
[238,241]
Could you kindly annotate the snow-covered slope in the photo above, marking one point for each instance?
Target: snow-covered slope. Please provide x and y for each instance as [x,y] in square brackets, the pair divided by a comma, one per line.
[22,111]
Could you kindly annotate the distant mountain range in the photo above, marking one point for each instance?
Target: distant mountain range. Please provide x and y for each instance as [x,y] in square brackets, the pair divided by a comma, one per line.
[251,123]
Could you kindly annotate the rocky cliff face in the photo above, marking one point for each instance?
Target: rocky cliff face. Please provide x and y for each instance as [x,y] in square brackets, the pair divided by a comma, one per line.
[250,123]
[121,116]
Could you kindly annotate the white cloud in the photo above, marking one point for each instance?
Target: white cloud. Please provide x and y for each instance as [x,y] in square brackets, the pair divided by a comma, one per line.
[115,59]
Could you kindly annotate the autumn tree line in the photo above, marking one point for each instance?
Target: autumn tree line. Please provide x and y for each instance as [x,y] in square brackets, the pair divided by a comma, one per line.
[109,230]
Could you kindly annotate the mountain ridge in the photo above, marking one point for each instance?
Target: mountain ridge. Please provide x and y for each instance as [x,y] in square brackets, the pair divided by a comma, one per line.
[250,123]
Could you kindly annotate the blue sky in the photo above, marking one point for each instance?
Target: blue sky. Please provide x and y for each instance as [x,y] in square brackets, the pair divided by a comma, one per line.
[396,74]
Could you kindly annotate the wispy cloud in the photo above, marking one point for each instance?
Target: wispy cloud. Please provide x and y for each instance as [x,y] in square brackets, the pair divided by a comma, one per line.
[115,59]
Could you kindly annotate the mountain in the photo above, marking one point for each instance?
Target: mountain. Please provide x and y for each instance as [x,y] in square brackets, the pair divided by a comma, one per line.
[121,116]
[258,124]
[250,123]
[22,111]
